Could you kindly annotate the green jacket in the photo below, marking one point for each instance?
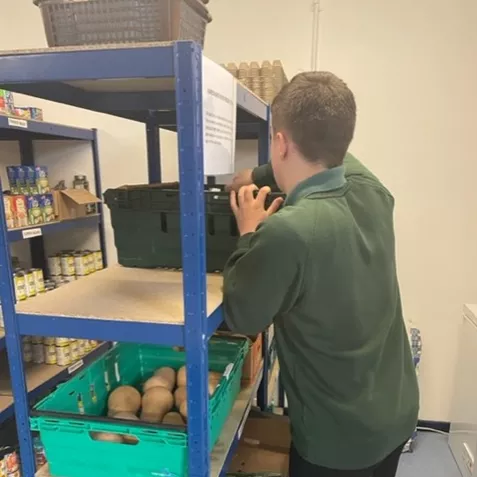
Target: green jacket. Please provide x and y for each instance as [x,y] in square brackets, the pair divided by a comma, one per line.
[323,271]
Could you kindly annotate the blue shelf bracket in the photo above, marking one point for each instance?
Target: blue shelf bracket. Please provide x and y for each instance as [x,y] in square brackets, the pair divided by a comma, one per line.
[15,354]
[153,139]
[188,70]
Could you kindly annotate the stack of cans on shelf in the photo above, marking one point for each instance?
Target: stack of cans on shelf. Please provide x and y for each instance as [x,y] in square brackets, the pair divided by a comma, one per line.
[50,350]
[71,265]
[28,283]
[416,348]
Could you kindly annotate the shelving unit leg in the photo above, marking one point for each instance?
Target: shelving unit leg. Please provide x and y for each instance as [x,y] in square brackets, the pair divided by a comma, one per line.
[15,355]
[99,189]
[153,139]
[188,69]
[263,158]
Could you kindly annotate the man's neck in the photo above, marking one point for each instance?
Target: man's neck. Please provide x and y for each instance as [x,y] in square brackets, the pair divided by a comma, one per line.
[300,173]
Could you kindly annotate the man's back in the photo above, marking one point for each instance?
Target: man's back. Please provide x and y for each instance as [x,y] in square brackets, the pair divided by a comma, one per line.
[343,348]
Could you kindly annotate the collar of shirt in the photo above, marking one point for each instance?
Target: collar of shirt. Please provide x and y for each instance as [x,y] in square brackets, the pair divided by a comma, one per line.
[325,181]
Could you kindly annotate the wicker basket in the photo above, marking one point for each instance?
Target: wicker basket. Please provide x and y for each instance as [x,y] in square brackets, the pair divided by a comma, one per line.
[93,22]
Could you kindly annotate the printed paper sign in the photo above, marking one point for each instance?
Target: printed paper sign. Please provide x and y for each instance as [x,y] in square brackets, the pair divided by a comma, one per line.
[18,123]
[30,233]
[219,98]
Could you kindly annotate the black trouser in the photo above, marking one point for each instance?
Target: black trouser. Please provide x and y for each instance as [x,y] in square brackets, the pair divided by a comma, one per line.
[301,468]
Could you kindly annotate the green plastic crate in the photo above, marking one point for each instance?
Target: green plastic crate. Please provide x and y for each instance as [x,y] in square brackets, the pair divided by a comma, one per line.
[67,418]
[146,223]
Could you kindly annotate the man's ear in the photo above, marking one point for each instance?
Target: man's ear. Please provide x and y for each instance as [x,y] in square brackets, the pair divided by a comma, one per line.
[283,144]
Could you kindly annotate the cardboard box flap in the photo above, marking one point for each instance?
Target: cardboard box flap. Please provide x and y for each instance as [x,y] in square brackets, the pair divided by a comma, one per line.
[80,196]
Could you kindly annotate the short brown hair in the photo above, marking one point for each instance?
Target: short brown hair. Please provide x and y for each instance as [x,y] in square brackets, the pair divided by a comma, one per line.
[318,110]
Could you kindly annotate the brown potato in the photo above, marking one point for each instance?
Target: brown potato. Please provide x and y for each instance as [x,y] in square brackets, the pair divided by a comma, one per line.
[124,399]
[180,395]
[173,418]
[156,403]
[182,377]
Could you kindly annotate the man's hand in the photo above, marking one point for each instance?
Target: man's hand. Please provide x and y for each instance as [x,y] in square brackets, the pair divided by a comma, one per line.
[250,211]
[242,178]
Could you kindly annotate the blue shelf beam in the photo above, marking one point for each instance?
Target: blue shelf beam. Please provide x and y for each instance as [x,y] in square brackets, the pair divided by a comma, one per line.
[89,79]
[13,129]
[15,235]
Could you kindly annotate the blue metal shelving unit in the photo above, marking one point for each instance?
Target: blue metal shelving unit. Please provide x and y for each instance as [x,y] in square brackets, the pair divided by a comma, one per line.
[26,132]
[161,86]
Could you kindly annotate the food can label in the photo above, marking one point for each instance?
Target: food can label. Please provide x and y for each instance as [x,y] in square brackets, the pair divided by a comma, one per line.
[62,341]
[37,339]
[50,354]
[67,265]
[49,340]
[74,351]
[63,355]
[81,265]
[30,284]
[20,287]
[27,352]
[54,265]
[39,281]
[98,260]
[38,354]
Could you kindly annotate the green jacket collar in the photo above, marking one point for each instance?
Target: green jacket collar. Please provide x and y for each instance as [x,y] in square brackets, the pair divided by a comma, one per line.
[325,181]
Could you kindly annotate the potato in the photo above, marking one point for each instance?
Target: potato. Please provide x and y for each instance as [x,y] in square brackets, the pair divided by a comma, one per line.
[182,377]
[124,415]
[106,437]
[173,418]
[183,409]
[169,374]
[180,395]
[156,403]
[124,399]
[157,382]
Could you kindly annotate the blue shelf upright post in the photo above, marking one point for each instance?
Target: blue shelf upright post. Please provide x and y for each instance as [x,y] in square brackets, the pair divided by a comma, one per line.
[99,191]
[188,71]
[263,158]
[14,350]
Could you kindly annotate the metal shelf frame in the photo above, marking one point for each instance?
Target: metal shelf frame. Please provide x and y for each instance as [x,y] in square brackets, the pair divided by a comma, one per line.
[159,84]
[26,132]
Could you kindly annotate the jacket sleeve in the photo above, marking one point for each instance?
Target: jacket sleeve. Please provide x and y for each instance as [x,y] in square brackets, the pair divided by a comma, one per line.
[263,176]
[262,278]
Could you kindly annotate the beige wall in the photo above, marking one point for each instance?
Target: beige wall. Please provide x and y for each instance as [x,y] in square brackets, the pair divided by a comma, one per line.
[412,66]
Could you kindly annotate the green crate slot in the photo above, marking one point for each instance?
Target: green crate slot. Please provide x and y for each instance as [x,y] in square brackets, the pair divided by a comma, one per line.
[67,417]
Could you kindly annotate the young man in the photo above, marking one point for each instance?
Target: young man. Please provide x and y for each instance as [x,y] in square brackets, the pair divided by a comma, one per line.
[323,270]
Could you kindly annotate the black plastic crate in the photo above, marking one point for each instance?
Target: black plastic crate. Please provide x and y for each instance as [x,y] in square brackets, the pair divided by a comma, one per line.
[146,223]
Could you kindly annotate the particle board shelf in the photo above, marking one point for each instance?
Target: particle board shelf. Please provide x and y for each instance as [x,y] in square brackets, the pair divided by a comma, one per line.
[123,294]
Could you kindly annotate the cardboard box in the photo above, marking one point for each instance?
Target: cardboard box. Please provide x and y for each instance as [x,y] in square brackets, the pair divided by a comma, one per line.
[264,447]
[74,203]
[253,361]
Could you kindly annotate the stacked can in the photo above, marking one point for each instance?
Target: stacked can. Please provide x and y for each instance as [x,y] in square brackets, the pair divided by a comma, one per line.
[28,283]
[40,456]
[71,265]
[27,349]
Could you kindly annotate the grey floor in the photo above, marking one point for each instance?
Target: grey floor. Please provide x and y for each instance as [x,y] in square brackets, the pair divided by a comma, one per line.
[431,458]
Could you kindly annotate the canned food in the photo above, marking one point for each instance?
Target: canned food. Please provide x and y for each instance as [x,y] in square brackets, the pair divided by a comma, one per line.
[54,265]
[62,341]
[63,355]
[74,350]
[93,343]
[87,346]
[26,339]
[30,283]
[57,280]
[81,264]
[19,283]
[98,260]
[38,353]
[50,354]
[37,339]
[49,340]
[67,265]
[40,456]
[27,353]
[39,281]
[81,348]
[89,257]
